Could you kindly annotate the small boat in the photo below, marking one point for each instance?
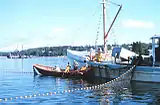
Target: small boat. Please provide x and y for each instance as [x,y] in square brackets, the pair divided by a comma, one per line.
[51,71]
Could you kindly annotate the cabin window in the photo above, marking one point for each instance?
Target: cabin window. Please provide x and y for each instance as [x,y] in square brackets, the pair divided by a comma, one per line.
[157,42]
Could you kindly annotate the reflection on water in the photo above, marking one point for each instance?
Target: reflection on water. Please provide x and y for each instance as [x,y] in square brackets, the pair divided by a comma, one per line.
[17,84]
[60,84]
[146,92]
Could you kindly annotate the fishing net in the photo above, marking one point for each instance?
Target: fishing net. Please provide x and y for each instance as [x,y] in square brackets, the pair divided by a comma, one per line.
[117,78]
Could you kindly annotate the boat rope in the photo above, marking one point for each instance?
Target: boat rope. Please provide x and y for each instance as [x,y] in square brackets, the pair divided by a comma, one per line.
[92,15]
[18,72]
[110,84]
[99,24]
[98,30]
[112,32]
[113,3]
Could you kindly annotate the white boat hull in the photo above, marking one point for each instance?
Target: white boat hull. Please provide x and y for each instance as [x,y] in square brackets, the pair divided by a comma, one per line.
[79,56]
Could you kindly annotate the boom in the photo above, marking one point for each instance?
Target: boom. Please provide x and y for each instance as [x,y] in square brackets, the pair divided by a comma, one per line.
[105,37]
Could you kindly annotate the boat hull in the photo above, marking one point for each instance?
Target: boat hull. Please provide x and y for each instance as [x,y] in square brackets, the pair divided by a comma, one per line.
[50,71]
[141,73]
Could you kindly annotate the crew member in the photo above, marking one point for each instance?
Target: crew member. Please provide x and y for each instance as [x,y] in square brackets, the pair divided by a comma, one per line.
[68,68]
[85,66]
[91,55]
[57,68]
[128,59]
[98,56]
[75,65]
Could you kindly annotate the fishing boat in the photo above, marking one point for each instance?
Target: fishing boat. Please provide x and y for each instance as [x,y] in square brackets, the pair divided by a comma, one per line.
[11,56]
[80,56]
[148,69]
[51,71]
[17,54]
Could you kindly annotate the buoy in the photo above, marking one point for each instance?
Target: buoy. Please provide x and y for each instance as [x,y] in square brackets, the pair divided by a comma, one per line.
[107,100]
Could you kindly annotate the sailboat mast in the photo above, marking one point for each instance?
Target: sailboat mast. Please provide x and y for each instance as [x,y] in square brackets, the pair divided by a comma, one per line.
[104,23]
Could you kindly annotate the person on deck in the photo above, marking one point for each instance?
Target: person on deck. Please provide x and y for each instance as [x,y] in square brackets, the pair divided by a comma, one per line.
[68,68]
[75,65]
[98,56]
[91,54]
[85,66]
[128,59]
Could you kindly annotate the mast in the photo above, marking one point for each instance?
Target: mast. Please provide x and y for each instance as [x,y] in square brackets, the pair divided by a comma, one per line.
[104,23]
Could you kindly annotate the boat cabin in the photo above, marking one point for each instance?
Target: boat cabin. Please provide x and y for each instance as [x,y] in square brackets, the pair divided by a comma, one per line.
[148,60]
[156,50]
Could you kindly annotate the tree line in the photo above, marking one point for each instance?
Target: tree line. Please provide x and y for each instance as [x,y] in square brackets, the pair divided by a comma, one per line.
[137,47]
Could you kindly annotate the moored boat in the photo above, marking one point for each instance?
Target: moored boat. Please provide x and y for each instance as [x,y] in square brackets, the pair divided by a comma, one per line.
[148,69]
[51,71]
[80,56]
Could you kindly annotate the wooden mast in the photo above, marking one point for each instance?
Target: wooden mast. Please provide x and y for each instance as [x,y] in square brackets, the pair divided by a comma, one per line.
[104,24]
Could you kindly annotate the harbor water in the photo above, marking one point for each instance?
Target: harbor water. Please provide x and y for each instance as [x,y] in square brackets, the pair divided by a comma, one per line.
[18,85]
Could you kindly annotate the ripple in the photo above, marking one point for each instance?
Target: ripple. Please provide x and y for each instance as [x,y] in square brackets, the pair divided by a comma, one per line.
[17,84]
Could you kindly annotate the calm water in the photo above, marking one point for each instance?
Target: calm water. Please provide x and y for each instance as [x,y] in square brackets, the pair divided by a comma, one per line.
[16,80]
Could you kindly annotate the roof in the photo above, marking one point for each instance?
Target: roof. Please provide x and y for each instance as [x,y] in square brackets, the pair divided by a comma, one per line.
[155,37]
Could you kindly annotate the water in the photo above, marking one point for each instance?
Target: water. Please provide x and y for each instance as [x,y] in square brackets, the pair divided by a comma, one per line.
[17,79]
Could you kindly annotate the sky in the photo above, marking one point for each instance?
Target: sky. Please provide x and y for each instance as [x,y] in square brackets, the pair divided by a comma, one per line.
[39,23]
